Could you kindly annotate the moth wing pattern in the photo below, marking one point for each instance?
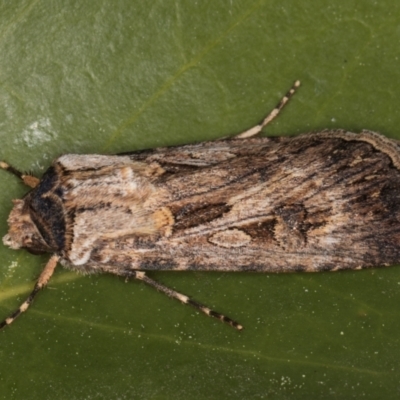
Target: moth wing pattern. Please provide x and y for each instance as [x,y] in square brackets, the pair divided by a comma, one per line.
[323,201]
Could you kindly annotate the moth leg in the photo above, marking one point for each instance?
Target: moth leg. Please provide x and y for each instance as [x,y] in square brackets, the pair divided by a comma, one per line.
[271,116]
[140,275]
[40,284]
[29,180]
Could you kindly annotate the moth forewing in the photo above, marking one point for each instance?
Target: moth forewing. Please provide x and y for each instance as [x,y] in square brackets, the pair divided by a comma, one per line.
[319,201]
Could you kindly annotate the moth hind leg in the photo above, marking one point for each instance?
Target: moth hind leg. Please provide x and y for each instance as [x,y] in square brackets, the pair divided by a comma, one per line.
[255,130]
[40,284]
[140,275]
[29,180]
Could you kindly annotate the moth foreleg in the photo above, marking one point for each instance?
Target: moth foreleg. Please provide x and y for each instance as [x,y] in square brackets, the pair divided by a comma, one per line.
[255,130]
[29,180]
[140,275]
[40,284]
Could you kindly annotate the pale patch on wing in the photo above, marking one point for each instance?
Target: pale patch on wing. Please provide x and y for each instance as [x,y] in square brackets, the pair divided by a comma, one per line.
[113,224]
[230,238]
[74,162]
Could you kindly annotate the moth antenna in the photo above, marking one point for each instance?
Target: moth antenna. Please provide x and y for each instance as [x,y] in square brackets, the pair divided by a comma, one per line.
[28,179]
[40,284]
[271,116]
[140,275]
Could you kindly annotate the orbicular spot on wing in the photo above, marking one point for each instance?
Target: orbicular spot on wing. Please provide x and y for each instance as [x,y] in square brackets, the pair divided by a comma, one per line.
[230,238]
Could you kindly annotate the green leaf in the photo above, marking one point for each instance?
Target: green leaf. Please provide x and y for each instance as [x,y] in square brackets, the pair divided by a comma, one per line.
[115,76]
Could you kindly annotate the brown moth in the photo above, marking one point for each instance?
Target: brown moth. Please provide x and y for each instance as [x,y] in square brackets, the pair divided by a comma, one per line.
[320,201]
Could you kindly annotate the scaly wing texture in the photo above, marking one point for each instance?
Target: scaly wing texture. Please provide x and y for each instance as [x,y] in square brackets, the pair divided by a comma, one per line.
[315,202]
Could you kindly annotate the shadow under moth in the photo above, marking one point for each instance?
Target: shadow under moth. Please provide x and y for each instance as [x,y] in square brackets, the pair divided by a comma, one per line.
[321,201]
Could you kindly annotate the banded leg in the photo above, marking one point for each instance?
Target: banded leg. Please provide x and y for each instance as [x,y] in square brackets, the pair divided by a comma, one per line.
[140,275]
[40,284]
[29,180]
[271,116]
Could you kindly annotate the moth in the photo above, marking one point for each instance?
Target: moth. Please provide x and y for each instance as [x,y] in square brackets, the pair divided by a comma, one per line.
[322,201]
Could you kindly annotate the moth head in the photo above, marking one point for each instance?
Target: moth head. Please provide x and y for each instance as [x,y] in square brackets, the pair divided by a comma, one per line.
[23,233]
